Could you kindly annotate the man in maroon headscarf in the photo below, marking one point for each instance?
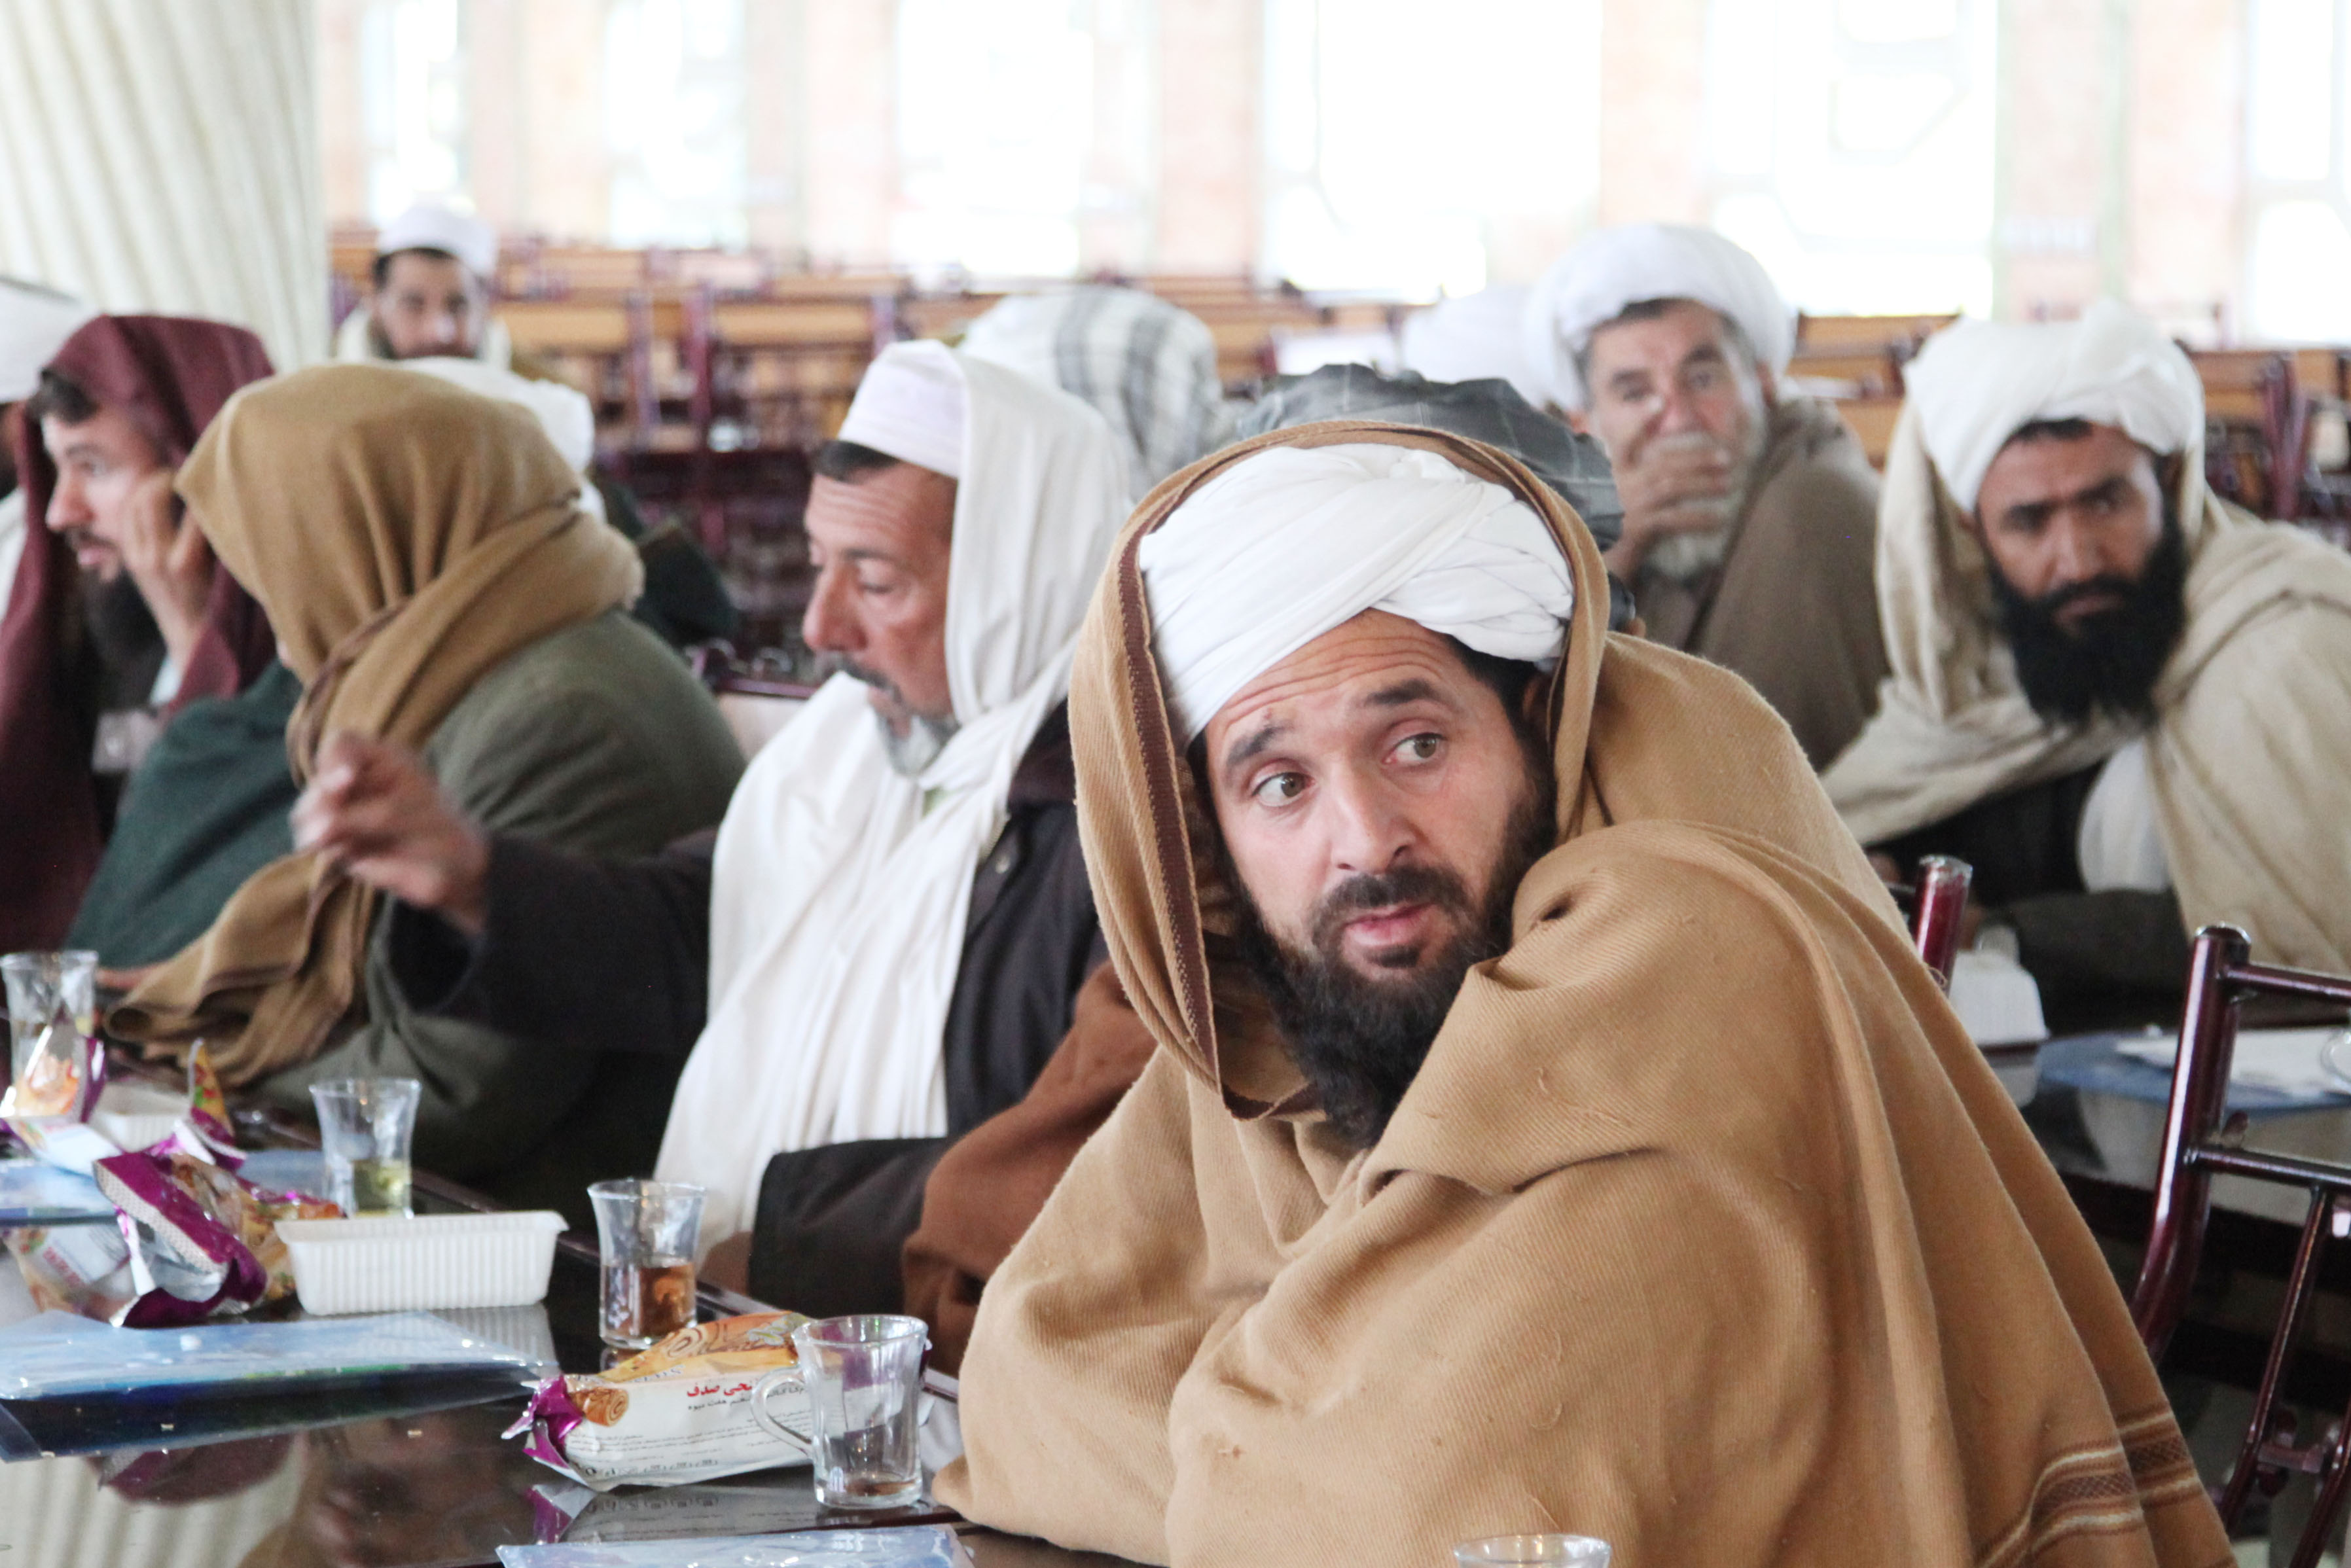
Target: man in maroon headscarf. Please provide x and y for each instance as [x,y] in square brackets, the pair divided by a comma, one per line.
[107,568]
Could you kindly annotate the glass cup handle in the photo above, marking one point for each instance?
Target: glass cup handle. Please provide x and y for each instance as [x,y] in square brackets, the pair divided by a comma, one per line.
[784,1379]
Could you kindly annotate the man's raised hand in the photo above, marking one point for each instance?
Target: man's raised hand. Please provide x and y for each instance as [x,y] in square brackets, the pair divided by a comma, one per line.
[372,810]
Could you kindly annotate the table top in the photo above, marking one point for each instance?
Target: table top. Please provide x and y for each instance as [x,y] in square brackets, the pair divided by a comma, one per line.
[412,1473]
[418,1476]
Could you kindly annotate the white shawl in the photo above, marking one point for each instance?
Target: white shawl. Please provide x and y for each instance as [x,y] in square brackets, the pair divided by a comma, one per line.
[841,886]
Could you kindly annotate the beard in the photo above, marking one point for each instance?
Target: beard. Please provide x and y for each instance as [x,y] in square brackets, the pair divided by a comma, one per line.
[1688,556]
[1360,1041]
[911,753]
[2107,663]
[118,622]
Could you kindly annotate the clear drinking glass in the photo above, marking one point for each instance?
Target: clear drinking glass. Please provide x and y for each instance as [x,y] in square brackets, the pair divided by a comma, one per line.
[365,1126]
[1524,1551]
[647,1232]
[864,1380]
[38,986]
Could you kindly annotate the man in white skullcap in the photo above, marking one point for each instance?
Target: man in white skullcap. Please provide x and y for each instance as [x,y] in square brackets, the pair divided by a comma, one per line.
[882,947]
[1146,366]
[1448,913]
[435,268]
[2113,692]
[1749,510]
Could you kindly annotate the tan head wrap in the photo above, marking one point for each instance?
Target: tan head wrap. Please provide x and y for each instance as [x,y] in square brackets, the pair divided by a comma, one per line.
[1703,1227]
[405,537]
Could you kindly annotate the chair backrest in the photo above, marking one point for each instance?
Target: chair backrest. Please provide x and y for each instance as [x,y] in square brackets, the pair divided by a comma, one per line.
[2199,1141]
[1937,904]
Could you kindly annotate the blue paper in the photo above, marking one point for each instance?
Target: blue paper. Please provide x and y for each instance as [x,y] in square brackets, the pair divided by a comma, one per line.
[58,1354]
[925,1546]
[32,1193]
[2092,1064]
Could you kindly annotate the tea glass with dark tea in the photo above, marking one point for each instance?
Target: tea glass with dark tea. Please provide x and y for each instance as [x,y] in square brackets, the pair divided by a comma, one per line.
[365,1127]
[647,1232]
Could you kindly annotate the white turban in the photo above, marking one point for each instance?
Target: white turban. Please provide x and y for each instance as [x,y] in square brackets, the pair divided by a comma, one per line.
[910,407]
[1475,338]
[561,411]
[35,323]
[1591,285]
[1294,540]
[428,227]
[1976,383]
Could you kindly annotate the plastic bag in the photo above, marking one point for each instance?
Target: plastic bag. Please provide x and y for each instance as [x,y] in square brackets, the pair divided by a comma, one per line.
[924,1546]
[687,1409]
[58,1354]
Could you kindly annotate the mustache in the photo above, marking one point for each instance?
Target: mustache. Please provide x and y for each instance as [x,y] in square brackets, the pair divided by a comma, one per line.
[832,664]
[2106,585]
[1368,891]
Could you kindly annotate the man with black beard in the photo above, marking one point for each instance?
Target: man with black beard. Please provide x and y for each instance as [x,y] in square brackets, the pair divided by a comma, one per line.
[2108,684]
[1359,1032]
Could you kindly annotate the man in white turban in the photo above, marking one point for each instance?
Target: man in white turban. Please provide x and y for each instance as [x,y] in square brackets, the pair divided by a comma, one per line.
[2113,692]
[882,947]
[435,271]
[1435,1213]
[1749,510]
[1146,366]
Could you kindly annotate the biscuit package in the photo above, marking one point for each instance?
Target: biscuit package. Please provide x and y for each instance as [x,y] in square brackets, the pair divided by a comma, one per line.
[713,1399]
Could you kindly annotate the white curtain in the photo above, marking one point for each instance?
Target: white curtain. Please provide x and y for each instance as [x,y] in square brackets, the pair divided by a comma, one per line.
[162,155]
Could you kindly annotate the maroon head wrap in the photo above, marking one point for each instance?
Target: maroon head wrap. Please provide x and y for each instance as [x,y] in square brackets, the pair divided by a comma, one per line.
[169,375]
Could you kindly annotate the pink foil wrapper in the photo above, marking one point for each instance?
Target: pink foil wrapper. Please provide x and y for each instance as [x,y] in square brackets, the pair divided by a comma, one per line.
[187,1263]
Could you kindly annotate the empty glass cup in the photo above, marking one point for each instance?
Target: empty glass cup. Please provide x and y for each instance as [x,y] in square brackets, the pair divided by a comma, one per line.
[647,1232]
[365,1126]
[864,1380]
[1527,1551]
[39,984]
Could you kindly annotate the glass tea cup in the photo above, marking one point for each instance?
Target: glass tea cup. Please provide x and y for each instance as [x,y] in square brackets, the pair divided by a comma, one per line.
[864,1381]
[647,1232]
[38,986]
[365,1127]
[1533,1551]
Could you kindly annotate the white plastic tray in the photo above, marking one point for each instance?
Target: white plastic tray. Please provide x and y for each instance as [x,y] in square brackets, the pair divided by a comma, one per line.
[388,1264]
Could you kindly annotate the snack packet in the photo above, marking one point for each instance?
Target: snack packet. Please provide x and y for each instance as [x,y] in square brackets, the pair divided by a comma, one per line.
[688,1409]
[200,1237]
[84,1270]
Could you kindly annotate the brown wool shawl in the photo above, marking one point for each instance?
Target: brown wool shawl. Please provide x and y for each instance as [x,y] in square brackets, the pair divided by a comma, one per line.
[1703,1229]
[405,537]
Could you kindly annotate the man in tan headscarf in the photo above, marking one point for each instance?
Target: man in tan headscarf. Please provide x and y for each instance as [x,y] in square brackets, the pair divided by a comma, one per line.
[2113,693]
[1749,510]
[434,582]
[1550,1127]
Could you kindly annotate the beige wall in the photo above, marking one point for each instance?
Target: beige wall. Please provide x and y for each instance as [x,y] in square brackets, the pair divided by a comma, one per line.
[2119,148]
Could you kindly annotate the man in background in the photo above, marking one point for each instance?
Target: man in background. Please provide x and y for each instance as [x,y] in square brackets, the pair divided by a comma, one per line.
[2113,694]
[435,268]
[1750,513]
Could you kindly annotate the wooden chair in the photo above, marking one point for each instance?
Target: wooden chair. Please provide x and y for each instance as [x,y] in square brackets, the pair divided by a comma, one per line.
[2201,1141]
[2258,421]
[1937,903]
[1873,420]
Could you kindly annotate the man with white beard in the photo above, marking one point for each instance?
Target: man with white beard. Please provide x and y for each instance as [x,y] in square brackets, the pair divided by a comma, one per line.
[885,943]
[1750,513]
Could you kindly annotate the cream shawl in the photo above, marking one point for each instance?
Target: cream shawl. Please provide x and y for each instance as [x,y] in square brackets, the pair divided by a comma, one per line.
[837,905]
[2249,767]
[1703,1229]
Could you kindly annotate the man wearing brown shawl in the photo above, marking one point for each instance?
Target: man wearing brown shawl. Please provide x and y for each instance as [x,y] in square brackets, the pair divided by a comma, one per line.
[434,582]
[120,405]
[1551,1127]
[1748,508]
